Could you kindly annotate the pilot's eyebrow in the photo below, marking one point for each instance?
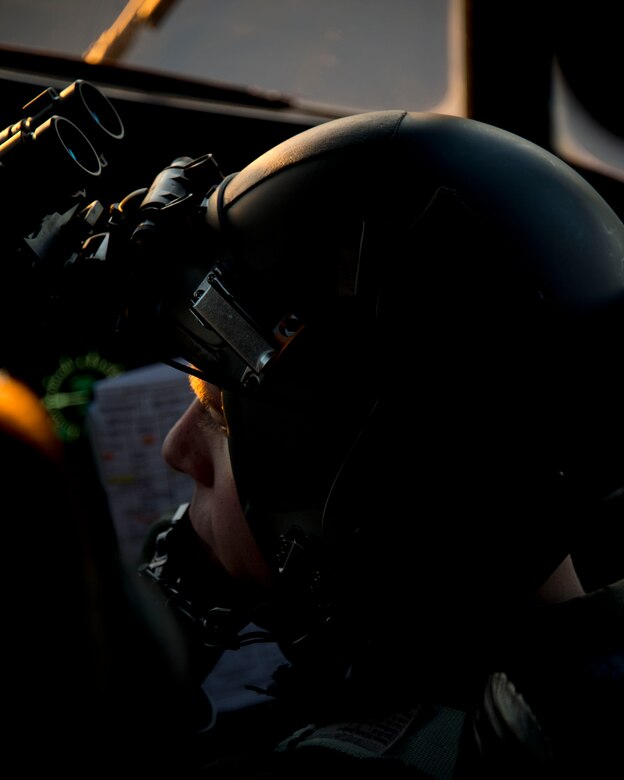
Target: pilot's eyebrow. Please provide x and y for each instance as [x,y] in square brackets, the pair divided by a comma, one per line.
[204,392]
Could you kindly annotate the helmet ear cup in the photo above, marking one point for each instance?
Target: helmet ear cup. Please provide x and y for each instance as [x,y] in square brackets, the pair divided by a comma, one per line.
[473,377]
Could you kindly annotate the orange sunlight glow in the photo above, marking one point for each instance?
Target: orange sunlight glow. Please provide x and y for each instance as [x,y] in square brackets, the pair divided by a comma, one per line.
[22,415]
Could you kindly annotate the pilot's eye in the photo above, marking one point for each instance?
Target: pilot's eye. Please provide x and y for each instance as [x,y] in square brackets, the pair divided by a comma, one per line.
[217,417]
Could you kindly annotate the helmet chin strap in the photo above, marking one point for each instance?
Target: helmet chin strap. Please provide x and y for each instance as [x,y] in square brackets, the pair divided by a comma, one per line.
[214,614]
[305,598]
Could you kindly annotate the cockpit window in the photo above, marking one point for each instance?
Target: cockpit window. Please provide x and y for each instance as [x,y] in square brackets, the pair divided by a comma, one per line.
[349,54]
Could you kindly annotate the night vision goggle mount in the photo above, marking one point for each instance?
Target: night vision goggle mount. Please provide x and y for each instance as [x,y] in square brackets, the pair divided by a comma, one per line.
[142,265]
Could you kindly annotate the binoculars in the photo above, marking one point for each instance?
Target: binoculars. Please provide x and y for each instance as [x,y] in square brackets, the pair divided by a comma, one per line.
[60,142]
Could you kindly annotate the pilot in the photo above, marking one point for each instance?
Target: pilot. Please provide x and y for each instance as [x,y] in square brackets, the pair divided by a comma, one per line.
[401,332]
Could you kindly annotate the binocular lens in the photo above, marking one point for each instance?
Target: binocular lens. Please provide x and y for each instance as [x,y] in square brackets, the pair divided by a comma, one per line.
[58,138]
[86,106]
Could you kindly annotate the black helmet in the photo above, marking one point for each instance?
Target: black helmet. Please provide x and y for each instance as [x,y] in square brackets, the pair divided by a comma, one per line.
[415,320]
